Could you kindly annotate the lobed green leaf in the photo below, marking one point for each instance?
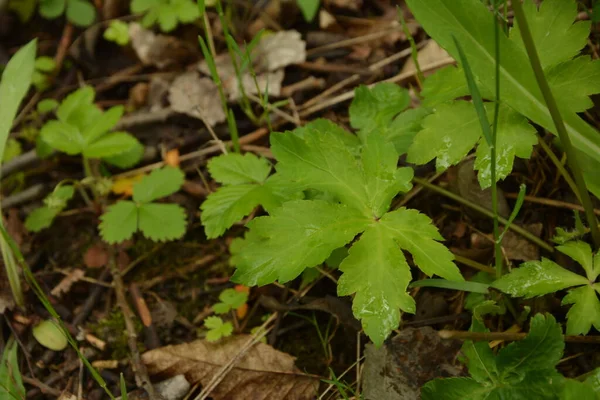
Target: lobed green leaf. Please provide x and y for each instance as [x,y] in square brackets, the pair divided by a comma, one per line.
[158,184]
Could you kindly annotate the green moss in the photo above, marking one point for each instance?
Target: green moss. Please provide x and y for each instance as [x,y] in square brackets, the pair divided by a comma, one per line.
[113,331]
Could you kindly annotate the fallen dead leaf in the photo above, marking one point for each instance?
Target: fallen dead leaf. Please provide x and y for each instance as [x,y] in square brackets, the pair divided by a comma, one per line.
[158,50]
[261,373]
[278,50]
[65,283]
[124,186]
[172,158]
[516,247]
[197,97]
[96,256]
[430,53]
[397,370]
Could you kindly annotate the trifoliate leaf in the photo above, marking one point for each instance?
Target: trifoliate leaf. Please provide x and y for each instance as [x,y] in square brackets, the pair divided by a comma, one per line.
[109,145]
[228,205]
[49,334]
[444,85]
[68,109]
[118,32]
[582,253]
[377,272]
[405,126]
[167,17]
[45,64]
[11,381]
[537,278]
[515,138]
[572,83]
[235,169]
[454,389]
[448,134]
[187,11]
[321,161]
[373,109]
[139,6]
[230,300]
[541,349]
[80,12]
[63,136]
[584,312]
[555,36]
[297,235]
[119,222]
[217,328]
[51,9]
[309,8]
[103,124]
[160,183]
[161,222]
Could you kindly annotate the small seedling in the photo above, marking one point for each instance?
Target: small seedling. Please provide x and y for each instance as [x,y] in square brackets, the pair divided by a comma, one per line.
[118,32]
[537,278]
[230,299]
[44,66]
[156,221]
[50,335]
[79,12]
[167,13]
[11,382]
[217,329]
[524,369]
[309,8]
[55,202]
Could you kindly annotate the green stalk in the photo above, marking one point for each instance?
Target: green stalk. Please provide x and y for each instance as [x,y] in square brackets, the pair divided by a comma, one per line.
[413,48]
[534,59]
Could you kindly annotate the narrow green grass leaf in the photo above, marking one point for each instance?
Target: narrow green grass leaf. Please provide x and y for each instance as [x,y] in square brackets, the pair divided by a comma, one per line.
[473,287]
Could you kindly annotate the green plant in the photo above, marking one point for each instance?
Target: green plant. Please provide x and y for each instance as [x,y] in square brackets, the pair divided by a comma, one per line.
[309,8]
[156,221]
[118,32]
[347,184]
[82,128]
[537,278]
[15,82]
[54,203]
[49,334]
[217,329]
[521,370]
[43,67]
[79,12]
[521,98]
[230,299]
[11,382]
[167,13]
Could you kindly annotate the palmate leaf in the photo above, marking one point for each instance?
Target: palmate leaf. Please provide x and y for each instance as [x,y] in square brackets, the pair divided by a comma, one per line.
[471,24]
[584,312]
[235,169]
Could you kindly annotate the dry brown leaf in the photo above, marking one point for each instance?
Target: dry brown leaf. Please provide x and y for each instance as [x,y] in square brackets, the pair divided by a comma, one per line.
[279,50]
[65,284]
[516,247]
[158,50]
[429,54]
[261,373]
[197,97]
[96,256]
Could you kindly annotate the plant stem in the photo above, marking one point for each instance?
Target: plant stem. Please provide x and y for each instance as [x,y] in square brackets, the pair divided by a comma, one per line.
[559,166]
[497,245]
[534,59]
[523,232]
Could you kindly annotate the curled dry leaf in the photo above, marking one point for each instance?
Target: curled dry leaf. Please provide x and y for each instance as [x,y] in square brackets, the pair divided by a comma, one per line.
[65,284]
[158,50]
[96,256]
[197,97]
[261,373]
[429,54]
[279,50]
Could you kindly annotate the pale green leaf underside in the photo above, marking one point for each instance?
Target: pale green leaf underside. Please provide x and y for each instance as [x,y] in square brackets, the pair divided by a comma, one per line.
[235,169]
[584,312]
[480,358]
[11,381]
[469,21]
[40,218]
[537,278]
[160,183]
[297,235]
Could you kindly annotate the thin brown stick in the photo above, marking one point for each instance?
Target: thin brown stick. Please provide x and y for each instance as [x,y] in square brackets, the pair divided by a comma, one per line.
[550,202]
[508,336]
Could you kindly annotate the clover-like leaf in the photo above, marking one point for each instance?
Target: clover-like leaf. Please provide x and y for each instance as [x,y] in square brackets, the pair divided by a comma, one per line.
[109,145]
[160,222]
[168,13]
[118,32]
[230,299]
[120,222]
[80,12]
[160,183]
[51,9]
[217,328]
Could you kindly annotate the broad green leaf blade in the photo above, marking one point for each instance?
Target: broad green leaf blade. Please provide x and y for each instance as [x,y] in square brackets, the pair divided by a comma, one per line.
[480,358]
[444,85]
[319,160]
[63,137]
[233,298]
[11,382]
[594,380]
[160,183]
[50,335]
[236,169]
[103,124]
[572,83]
[537,278]
[119,222]
[40,218]
[541,349]
[538,384]
[80,12]
[297,235]
[377,273]
[70,107]
[582,253]
[127,158]
[454,389]
[110,145]
[308,8]
[160,222]
[415,233]
[373,109]
[228,205]
[384,179]
[14,85]
[471,22]
[515,138]
[575,390]
[51,9]
[555,36]
[448,134]
[584,312]
[405,126]
[596,265]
